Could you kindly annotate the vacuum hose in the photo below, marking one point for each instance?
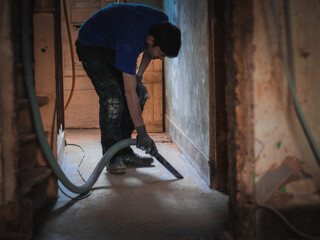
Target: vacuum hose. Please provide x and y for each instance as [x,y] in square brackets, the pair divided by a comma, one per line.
[38,123]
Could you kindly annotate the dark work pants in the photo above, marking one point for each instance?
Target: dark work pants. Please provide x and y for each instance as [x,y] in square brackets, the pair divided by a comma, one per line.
[114,117]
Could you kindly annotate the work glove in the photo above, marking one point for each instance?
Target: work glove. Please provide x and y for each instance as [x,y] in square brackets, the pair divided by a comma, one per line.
[144,142]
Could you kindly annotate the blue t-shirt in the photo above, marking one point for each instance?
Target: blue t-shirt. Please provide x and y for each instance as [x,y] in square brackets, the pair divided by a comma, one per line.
[123,27]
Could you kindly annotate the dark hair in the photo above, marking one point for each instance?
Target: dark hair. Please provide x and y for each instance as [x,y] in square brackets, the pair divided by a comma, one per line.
[167,37]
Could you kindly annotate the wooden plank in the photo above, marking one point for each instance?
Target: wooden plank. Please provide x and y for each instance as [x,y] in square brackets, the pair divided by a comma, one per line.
[81,15]
[150,77]
[44,68]
[157,65]
[33,177]
[154,127]
[24,102]
[83,111]
[148,108]
[157,102]
[81,83]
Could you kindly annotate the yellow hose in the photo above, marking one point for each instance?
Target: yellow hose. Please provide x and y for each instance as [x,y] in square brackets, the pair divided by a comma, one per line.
[72,54]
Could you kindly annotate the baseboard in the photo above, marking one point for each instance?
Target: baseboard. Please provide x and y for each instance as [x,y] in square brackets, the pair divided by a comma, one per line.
[196,158]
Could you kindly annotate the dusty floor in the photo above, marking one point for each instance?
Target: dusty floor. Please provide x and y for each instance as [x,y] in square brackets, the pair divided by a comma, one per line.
[144,203]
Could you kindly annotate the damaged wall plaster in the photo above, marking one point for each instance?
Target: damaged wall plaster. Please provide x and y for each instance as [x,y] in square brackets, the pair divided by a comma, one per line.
[281,147]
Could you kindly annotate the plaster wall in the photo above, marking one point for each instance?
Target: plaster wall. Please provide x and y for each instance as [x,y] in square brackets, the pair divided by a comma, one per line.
[286,172]
[187,84]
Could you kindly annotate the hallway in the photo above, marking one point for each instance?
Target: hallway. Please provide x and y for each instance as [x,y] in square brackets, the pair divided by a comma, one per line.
[144,203]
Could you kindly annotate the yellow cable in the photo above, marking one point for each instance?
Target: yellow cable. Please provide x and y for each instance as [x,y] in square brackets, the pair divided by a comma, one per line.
[72,54]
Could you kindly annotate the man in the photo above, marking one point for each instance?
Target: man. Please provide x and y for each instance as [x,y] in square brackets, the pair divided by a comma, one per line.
[108,45]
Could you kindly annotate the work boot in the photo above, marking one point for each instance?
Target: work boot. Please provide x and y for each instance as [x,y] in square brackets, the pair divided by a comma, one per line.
[116,166]
[133,159]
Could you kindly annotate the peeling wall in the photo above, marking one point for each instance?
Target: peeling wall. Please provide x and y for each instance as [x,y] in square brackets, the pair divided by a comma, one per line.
[286,172]
[187,84]
[239,97]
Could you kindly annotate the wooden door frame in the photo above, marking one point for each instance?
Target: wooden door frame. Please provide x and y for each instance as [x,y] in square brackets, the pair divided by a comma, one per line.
[218,153]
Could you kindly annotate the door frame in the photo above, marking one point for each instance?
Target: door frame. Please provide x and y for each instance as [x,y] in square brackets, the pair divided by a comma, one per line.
[218,153]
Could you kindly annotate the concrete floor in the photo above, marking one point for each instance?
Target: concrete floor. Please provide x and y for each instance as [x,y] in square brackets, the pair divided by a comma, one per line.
[144,203]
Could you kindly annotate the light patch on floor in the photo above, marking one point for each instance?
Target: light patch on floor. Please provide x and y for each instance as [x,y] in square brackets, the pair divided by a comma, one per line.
[144,203]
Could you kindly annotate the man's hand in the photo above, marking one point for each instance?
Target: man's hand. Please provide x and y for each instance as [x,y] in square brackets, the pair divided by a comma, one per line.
[144,142]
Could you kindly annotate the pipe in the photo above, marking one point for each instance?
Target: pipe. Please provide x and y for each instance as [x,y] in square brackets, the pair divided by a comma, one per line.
[38,123]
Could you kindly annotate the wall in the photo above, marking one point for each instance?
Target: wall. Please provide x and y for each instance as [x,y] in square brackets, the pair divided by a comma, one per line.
[270,161]
[186,77]
[281,149]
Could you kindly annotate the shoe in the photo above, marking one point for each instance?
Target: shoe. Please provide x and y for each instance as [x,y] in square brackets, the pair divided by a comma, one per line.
[135,160]
[116,166]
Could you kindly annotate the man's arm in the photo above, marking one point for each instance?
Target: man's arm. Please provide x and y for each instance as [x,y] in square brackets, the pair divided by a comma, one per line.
[130,85]
[145,60]
[144,142]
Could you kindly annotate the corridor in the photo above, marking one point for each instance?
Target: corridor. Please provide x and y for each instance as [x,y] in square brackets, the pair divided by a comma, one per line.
[144,203]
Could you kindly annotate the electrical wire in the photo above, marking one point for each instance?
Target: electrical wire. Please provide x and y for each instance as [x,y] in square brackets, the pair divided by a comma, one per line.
[80,196]
[84,154]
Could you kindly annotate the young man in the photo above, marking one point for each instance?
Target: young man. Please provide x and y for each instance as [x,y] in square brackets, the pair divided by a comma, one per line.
[108,45]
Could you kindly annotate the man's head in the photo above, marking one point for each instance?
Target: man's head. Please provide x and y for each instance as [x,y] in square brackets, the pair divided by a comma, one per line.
[164,40]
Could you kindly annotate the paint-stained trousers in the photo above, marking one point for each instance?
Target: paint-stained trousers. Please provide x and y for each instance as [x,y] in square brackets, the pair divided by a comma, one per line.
[114,117]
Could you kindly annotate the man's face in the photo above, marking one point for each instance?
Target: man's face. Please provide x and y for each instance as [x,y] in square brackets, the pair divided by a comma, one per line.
[156,53]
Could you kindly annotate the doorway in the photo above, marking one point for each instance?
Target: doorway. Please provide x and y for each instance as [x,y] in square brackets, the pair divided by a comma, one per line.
[145,203]
[83,110]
